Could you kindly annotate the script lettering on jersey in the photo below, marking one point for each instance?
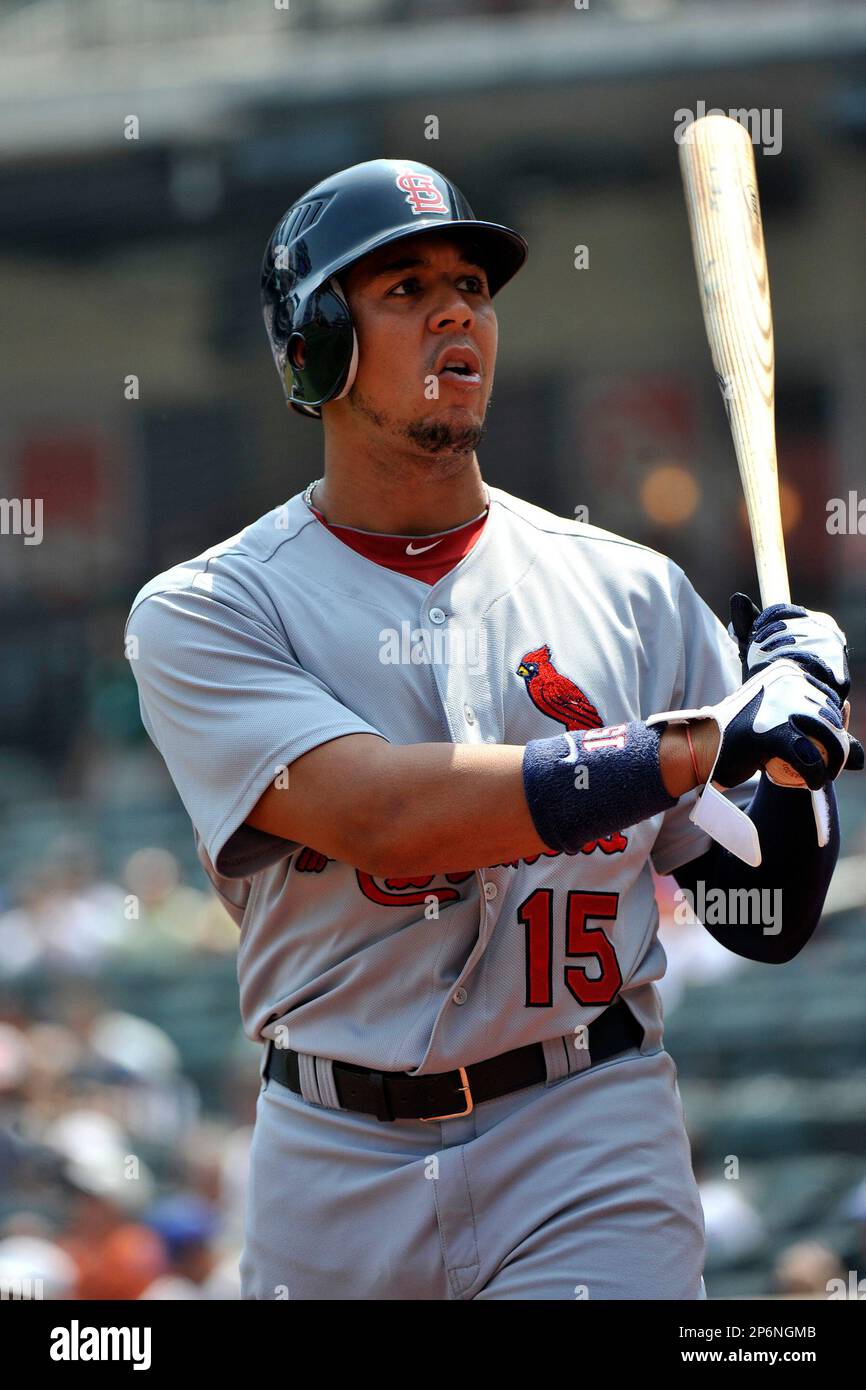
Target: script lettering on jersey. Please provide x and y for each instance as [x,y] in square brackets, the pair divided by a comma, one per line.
[608,844]
[417,890]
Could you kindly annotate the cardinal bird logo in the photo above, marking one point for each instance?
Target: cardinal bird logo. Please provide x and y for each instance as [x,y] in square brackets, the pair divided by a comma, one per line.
[555,694]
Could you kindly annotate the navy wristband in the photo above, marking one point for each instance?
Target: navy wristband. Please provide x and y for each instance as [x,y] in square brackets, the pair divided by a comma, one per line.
[584,785]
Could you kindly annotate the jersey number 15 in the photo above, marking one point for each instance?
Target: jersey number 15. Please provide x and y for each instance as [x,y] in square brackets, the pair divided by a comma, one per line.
[581,939]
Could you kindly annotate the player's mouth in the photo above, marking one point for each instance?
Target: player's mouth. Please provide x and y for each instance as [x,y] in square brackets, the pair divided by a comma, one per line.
[460,367]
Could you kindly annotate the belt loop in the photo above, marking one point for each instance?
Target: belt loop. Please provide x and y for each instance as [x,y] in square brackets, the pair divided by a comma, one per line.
[326,1083]
[556,1058]
[308,1079]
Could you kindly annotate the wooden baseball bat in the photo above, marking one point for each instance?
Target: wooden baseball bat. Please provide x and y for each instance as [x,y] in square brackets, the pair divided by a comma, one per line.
[721,189]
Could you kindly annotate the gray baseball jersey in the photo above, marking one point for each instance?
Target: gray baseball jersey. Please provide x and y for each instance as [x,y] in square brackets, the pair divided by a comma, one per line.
[282,638]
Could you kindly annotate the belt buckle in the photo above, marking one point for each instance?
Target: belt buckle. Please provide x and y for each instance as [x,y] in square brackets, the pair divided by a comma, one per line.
[456,1114]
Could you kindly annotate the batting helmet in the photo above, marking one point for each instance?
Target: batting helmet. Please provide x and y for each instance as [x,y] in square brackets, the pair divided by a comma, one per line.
[342,218]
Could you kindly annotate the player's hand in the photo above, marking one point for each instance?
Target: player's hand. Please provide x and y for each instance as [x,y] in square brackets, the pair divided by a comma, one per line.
[814,640]
[781,713]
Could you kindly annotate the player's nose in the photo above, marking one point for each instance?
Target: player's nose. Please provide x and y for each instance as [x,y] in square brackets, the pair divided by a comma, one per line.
[452,310]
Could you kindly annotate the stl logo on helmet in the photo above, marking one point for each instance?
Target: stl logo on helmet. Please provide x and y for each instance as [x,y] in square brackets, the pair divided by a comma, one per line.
[422,195]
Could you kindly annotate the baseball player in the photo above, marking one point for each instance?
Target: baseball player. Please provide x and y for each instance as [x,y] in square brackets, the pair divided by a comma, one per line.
[432,740]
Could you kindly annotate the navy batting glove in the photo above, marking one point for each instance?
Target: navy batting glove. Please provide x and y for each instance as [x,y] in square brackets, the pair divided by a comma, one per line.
[776,714]
[814,640]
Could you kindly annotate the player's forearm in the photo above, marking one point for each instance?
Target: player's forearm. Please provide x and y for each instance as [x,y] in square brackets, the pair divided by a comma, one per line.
[464,806]
[454,806]
[396,809]
[422,808]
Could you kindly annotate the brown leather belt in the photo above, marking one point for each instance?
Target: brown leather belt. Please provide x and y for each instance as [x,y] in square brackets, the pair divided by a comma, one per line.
[395,1095]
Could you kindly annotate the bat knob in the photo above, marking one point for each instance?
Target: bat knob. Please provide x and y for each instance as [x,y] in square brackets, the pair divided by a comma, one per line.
[784,775]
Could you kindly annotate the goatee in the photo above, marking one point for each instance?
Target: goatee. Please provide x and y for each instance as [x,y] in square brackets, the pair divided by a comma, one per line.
[440,437]
[432,436]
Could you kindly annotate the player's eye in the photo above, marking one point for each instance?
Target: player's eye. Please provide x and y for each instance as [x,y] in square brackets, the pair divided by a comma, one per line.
[476,284]
[411,280]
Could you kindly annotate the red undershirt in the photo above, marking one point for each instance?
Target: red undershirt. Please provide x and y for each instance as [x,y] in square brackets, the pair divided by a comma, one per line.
[437,553]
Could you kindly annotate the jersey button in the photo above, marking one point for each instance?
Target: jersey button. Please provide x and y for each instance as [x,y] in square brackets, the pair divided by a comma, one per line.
[470,714]
[437,615]
[460,996]
[490,891]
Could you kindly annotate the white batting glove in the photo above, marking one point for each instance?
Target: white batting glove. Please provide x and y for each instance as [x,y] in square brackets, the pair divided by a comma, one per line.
[787,630]
[775,714]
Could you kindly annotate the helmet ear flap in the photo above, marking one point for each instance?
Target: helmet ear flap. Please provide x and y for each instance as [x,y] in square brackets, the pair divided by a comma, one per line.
[353,362]
[322,350]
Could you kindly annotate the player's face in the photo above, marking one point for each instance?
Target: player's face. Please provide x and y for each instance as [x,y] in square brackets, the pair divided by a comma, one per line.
[416,304]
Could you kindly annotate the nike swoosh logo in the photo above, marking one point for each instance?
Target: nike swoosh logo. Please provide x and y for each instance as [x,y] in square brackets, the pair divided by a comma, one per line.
[570,740]
[412,549]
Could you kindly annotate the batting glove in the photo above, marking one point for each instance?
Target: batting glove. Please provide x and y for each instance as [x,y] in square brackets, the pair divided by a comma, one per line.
[814,640]
[775,714]
[786,709]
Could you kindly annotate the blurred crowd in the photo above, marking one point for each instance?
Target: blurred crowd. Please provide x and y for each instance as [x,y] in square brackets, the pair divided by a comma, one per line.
[64,916]
[737,1232]
[116,1180]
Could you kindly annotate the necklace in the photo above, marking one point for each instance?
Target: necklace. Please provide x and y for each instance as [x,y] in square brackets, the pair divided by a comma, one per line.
[308,492]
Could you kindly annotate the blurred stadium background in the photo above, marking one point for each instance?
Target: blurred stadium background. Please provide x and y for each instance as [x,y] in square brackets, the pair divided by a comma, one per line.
[127,1090]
